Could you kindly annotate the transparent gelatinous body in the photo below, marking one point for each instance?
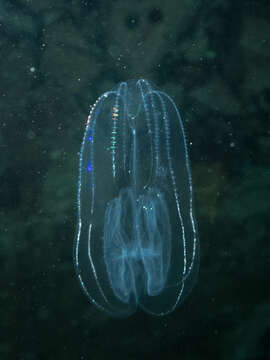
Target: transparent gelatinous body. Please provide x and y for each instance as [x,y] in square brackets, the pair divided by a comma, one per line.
[136,243]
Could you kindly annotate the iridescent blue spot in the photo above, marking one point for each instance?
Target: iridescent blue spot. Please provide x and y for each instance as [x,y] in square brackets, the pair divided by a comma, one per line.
[89,167]
[90,138]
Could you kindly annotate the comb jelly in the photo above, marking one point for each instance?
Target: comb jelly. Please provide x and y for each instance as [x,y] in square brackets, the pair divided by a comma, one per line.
[136,243]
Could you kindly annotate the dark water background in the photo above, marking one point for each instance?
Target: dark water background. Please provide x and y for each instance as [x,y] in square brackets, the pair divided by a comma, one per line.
[56,58]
